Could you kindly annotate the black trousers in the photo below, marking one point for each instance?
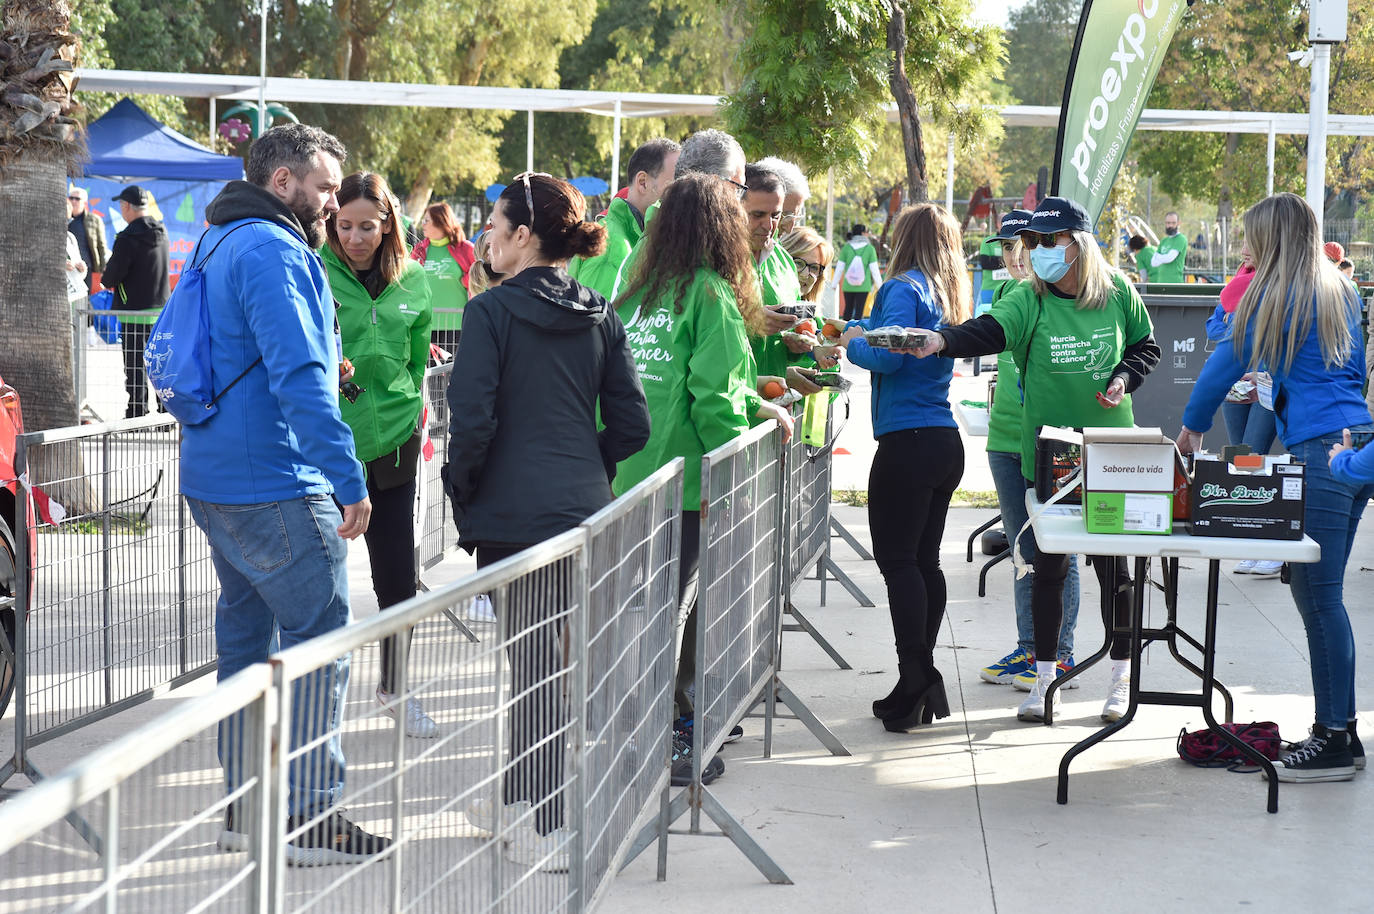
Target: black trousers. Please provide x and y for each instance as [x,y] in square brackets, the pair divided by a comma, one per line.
[854,305]
[390,539]
[532,631]
[910,484]
[135,378]
[1047,605]
[688,579]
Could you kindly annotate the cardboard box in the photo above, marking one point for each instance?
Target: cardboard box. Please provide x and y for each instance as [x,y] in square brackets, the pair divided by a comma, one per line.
[1264,502]
[1128,480]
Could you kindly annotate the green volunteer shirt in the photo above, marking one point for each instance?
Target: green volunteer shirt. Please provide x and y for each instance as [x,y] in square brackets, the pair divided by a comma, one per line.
[1067,356]
[1173,271]
[1004,418]
[623,229]
[446,290]
[778,283]
[861,249]
[1142,263]
[694,363]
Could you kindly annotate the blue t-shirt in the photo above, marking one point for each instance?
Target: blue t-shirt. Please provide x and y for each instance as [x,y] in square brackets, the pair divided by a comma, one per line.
[907,392]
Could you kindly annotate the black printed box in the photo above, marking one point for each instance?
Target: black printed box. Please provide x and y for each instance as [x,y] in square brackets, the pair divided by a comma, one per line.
[1263,502]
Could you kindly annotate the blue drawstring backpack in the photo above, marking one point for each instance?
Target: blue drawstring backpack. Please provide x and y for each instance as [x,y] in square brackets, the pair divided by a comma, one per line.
[177,356]
[106,325]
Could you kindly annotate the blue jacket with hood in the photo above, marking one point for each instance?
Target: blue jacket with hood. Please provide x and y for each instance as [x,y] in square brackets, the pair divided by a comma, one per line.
[278,434]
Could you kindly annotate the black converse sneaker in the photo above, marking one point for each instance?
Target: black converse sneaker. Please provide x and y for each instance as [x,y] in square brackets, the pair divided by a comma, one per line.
[1356,749]
[333,839]
[1324,756]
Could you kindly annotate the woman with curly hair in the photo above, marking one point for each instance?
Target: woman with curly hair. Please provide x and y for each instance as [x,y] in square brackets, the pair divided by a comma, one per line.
[690,303]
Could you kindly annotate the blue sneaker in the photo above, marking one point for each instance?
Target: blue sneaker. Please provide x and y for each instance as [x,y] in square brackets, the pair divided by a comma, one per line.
[1024,681]
[1009,667]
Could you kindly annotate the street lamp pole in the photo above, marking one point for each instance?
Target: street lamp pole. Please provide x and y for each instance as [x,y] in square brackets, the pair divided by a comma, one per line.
[1326,25]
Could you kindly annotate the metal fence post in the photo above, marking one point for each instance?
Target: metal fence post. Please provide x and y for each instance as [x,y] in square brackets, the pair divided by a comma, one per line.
[276,788]
[578,658]
[22,598]
[782,595]
[106,570]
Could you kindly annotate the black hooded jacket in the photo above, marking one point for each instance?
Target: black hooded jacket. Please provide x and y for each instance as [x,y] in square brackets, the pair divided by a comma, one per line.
[538,354]
[137,268]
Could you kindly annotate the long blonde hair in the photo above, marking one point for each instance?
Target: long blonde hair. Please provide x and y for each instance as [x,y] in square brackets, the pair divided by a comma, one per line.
[926,237]
[1294,284]
[804,240]
[1096,278]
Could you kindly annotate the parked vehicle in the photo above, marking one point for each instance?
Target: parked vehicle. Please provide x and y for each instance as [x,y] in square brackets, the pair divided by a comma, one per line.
[11,426]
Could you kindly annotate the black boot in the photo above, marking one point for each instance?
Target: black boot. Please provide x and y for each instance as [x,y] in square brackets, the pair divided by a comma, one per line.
[923,701]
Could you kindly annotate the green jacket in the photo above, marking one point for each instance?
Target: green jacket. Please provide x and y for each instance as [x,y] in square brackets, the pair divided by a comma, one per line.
[623,230]
[388,342]
[1172,271]
[1004,417]
[698,377]
[779,284]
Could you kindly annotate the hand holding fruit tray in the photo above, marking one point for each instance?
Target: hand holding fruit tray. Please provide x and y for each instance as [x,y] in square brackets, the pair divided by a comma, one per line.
[896,337]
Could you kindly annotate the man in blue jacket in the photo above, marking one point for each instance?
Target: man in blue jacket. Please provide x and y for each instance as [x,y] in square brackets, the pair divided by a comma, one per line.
[263,476]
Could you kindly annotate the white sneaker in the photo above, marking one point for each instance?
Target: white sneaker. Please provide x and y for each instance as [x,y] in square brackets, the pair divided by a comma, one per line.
[1267,569]
[482,814]
[418,724]
[1244,566]
[527,848]
[1118,700]
[481,609]
[1033,708]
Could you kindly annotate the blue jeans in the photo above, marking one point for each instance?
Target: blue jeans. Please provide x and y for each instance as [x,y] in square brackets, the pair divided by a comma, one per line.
[1331,517]
[282,570]
[1011,497]
[1250,423]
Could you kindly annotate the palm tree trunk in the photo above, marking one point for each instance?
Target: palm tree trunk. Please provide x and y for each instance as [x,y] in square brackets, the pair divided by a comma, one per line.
[40,145]
[913,142]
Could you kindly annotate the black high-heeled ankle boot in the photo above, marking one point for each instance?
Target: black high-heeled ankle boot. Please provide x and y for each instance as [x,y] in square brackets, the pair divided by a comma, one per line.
[911,681]
[923,707]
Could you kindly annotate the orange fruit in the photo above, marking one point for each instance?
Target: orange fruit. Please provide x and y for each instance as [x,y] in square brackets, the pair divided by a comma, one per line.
[773,389]
[805,327]
[831,331]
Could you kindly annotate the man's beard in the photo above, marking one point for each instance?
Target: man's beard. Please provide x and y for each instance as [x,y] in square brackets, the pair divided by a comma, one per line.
[308,218]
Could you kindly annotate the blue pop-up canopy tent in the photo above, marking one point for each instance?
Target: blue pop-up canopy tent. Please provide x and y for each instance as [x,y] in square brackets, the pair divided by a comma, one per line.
[129,147]
[128,143]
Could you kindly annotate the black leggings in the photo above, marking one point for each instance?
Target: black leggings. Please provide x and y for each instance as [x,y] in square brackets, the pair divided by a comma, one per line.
[854,305]
[910,484]
[532,629]
[390,539]
[1047,605]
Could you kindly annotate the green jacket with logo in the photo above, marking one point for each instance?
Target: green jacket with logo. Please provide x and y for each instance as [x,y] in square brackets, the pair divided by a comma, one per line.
[698,376]
[623,231]
[1173,270]
[387,339]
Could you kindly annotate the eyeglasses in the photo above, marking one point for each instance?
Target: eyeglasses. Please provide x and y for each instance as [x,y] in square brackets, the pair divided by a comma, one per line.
[76,197]
[741,188]
[529,197]
[806,266]
[798,217]
[1032,240]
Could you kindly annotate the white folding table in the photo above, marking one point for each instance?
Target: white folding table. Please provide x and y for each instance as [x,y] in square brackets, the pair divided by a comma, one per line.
[1061,530]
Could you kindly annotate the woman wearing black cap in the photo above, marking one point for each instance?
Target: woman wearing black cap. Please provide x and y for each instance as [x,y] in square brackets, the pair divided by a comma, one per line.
[1084,342]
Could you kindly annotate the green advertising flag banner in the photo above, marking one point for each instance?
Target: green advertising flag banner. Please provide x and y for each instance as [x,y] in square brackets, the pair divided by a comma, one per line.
[1116,56]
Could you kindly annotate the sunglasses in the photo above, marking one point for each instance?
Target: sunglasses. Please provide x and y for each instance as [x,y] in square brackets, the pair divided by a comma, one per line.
[529,197]
[487,271]
[806,266]
[1033,240]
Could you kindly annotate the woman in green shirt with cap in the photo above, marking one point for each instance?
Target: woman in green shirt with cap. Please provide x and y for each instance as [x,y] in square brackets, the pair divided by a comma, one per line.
[1084,342]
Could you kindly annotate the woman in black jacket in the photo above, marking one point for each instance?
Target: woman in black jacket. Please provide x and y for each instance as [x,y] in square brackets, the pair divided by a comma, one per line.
[538,355]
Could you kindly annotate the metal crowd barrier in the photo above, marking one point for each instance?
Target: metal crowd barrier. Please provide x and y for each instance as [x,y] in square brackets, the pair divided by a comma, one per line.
[550,746]
[435,536]
[123,592]
[745,576]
